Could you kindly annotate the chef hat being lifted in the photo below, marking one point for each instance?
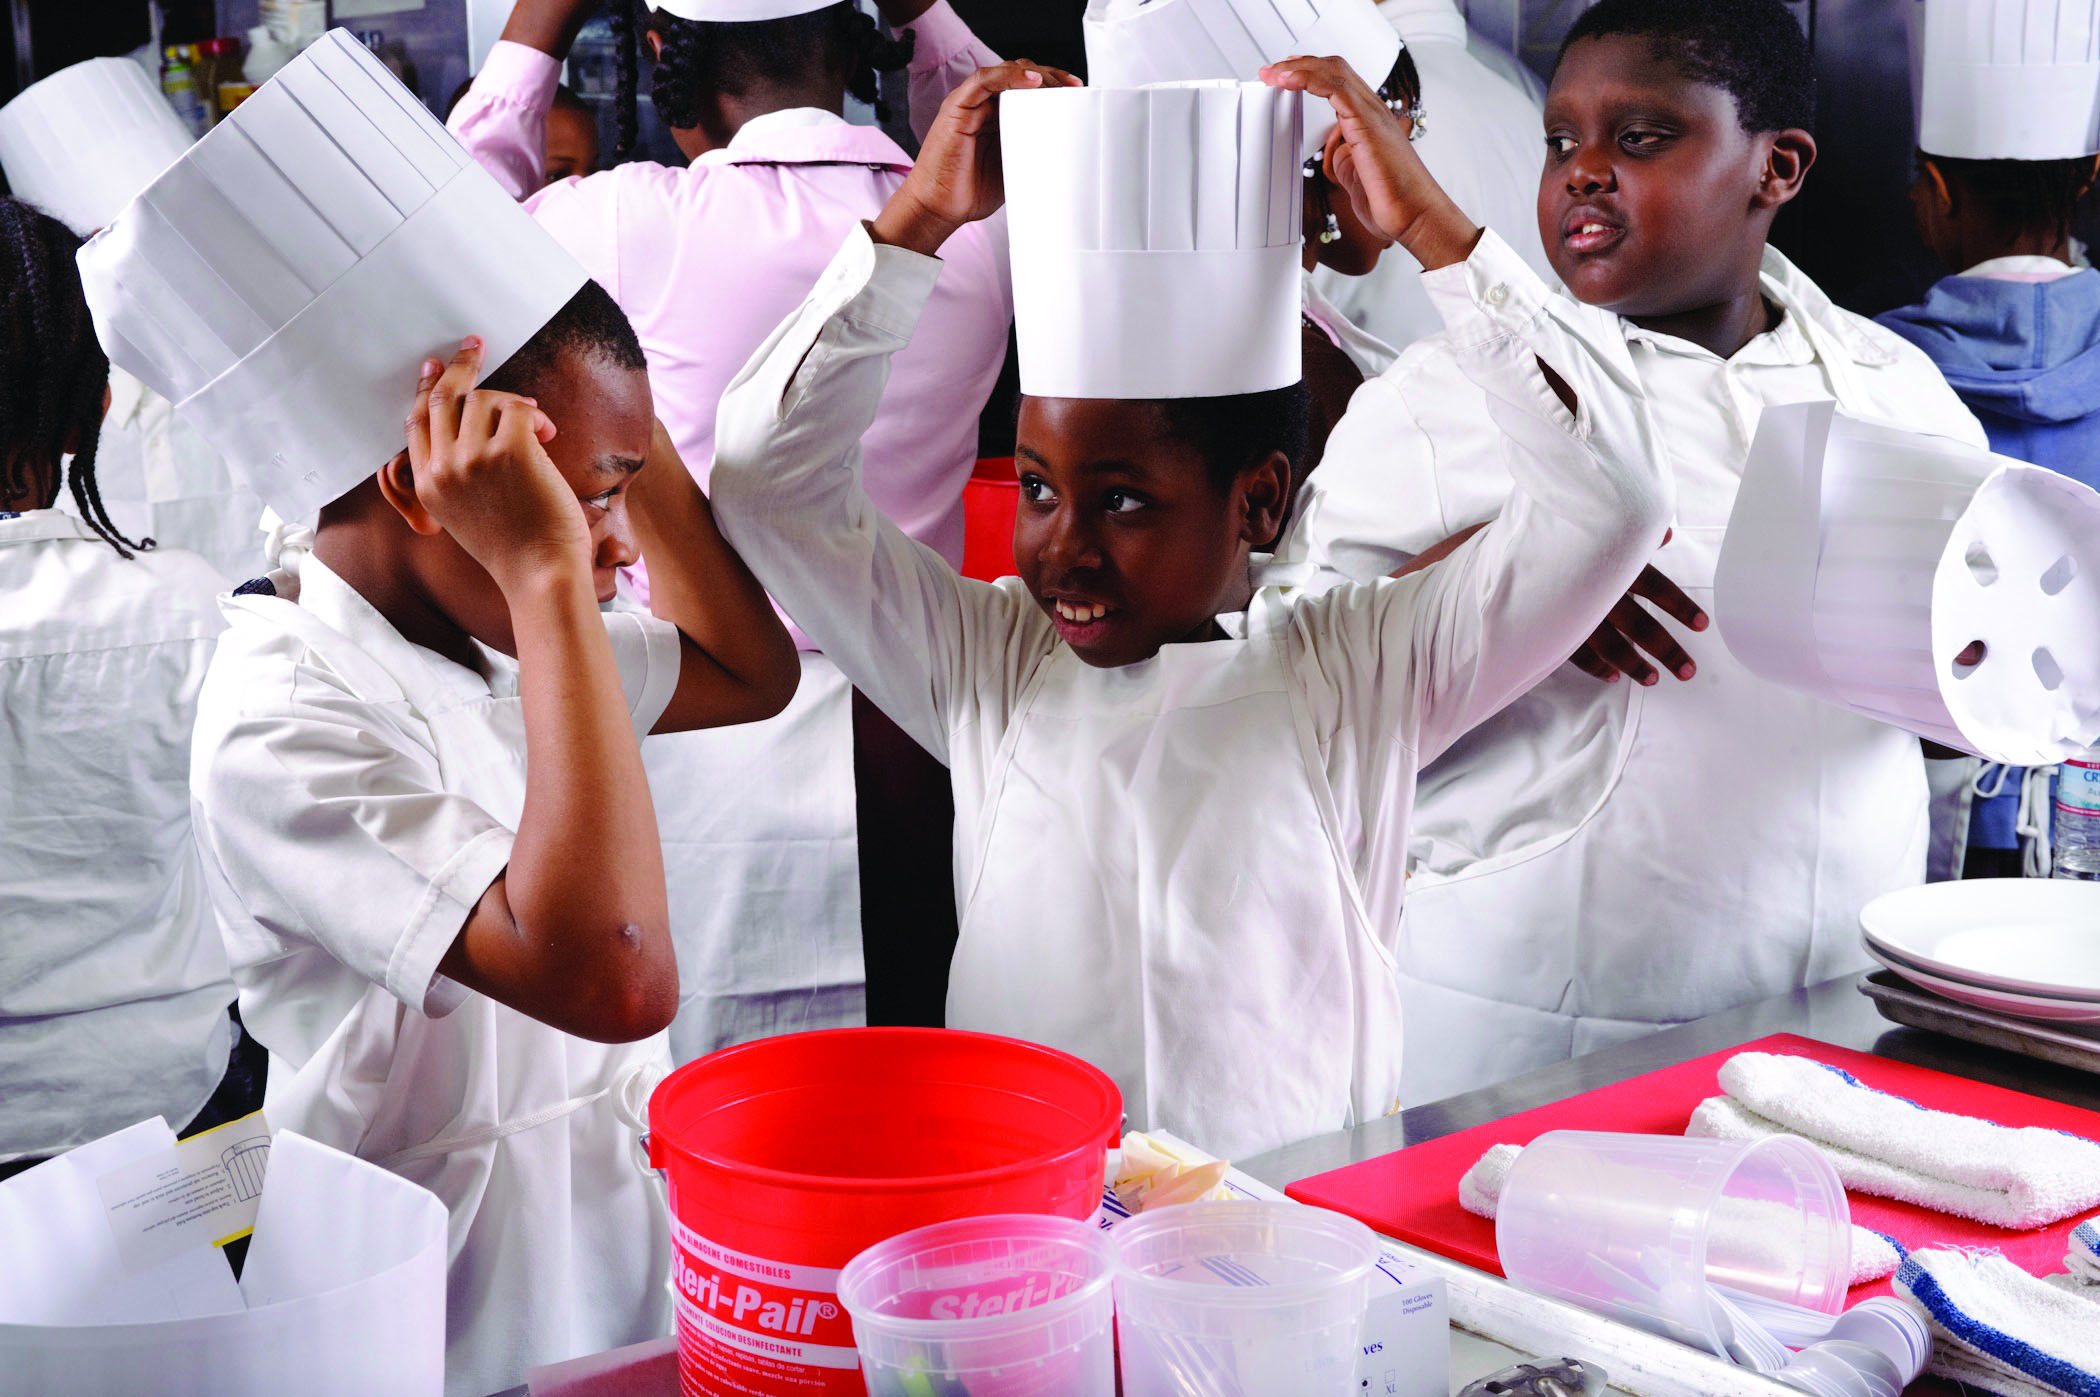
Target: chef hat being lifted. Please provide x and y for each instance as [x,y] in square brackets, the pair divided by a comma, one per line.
[2011,79]
[739,11]
[1156,239]
[281,281]
[1130,43]
[80,143]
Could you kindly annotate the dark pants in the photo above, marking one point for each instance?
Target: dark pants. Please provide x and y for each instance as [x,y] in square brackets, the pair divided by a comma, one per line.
[240,1092]
[905,811]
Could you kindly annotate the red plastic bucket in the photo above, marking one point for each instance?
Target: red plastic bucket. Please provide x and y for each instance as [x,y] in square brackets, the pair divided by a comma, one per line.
[788,1156]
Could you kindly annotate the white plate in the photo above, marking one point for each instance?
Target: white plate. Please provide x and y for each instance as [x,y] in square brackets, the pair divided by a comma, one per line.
[2019,1006]
[2029,936]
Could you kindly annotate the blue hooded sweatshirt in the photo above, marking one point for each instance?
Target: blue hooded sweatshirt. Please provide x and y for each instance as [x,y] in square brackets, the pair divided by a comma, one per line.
[2025,357]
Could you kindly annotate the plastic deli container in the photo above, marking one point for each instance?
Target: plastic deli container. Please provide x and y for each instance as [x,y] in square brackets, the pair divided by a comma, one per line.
[1015,1305]
[787,1157]
[1639,1227]
[1226,1299]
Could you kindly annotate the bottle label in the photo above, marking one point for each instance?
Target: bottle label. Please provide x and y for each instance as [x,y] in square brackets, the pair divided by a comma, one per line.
[2078,788]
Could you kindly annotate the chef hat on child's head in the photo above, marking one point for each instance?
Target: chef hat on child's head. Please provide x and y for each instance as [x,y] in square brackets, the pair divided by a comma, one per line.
[1130,43]
[739,11]
[282,280]
[2011,79]
[1156,239]
[80,143]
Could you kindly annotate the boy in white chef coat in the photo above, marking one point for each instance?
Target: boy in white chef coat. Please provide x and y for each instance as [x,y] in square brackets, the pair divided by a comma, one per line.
[1106,715]
[1603,858]
[419,799]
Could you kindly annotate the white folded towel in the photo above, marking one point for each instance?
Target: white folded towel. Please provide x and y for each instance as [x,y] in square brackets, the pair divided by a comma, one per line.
[1480,1191]
[1997,1328]
[2019,1178]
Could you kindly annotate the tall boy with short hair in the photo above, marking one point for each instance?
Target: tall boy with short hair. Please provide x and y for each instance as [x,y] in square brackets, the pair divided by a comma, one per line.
[1606,857]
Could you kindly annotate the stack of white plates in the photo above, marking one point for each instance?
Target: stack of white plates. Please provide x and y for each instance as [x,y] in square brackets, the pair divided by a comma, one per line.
[2028,947]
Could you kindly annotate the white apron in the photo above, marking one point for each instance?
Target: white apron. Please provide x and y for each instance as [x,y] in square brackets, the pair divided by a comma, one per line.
[1161,887]
[1598,861]
[558,1241]
[760,863]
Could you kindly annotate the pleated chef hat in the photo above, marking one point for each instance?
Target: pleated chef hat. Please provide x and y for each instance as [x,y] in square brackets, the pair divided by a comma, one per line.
[1863,561]
[1156,239]
[80,143]
[1130,43]
[739,11]
[280,282]
[2011,79]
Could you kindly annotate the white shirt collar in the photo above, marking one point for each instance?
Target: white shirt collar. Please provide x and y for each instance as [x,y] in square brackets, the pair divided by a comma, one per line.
[786,119]
[2024,268]
[1807,321]
[35,525]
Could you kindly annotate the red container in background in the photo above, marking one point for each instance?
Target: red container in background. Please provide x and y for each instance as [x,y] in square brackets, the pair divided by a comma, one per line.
[788,1156]
[990,500]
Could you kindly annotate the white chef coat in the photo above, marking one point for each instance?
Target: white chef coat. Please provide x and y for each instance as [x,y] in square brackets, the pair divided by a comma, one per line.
[355,795]
[160,480]
[1371,355]
[1600,859]
[1187,870]
[113,984]
[1484,141]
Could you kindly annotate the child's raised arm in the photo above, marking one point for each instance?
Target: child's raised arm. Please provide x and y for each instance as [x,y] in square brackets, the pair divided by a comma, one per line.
[575,932]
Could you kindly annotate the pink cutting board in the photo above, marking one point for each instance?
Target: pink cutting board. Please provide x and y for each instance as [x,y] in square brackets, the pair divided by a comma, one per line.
[1412,1194]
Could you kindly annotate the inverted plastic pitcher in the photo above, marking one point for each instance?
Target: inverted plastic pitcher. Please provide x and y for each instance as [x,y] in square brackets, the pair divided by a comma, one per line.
[1639,1227]
[1013,1305]
[1241,1300]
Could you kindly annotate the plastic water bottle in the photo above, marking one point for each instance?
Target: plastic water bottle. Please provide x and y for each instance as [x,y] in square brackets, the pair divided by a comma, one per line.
[2078,816]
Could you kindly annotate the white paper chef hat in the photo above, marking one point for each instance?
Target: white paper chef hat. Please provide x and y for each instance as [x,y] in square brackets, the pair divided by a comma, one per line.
[343,1293]
[739,11]
[1156,239]
[1130,43]
[2011,79]
[80,143]
[1863,561]
[281,281]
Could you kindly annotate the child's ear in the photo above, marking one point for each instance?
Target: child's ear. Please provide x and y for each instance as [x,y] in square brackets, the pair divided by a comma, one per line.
[1266,493]
[1786,165]
[656,44]
[397,483]
[1940,191]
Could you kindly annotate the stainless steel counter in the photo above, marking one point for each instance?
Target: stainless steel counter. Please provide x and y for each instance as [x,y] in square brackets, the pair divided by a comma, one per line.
[1834,1012]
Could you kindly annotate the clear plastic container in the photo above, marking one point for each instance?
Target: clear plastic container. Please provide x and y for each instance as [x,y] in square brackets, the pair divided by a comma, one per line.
[1640,1226]
[1241,1299]
[1011,1305]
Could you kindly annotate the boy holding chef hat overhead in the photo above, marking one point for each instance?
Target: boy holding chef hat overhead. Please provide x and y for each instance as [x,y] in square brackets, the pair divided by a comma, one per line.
[421,807]
[1181,805]
[706,258]
[80,144]
[2008,140]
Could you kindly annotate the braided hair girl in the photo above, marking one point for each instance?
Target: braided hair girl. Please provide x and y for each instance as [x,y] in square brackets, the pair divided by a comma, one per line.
[53,373]
[698,59]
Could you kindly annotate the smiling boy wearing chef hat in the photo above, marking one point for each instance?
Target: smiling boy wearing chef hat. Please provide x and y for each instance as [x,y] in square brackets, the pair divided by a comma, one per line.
[1180,806]
[2007,143]
[436,868]
[1631,845]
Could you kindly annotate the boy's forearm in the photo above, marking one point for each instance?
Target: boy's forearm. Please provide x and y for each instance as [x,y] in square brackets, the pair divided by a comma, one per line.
[699,584]
[585,882]
[551,26]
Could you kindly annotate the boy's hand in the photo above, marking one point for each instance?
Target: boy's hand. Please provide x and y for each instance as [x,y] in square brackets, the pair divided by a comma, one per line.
[481,472]
[551,26]
[1369,155]
[957,178]
[1611,649]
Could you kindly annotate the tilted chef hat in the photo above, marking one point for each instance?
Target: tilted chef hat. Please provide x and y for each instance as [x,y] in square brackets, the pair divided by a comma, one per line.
[1156,239]
[282,280]
[1863,561]
[1130,43]
[80,143]
[739,11]
[2011,79]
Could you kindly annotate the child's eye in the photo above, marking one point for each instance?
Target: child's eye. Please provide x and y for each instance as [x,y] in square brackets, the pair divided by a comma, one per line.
[1641,140]
[603,502]
[1036,490]
[1560,146]
[1122,502]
